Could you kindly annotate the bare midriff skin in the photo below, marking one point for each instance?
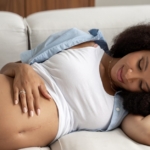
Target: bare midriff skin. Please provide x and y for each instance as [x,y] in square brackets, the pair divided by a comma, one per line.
[18,129]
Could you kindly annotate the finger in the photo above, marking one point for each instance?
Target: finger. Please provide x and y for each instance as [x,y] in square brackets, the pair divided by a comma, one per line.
[22,95]
[95,45]
[30,102]
[36,96]
[16,95]
[44,92]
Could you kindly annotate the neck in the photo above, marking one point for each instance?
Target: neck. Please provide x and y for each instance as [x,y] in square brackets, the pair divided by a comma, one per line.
[108,62]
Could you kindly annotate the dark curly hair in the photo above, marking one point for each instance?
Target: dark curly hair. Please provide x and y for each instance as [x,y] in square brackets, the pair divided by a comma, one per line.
[132,39]
[136,103]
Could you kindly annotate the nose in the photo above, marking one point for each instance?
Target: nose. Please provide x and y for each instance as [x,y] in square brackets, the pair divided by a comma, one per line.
[130,75]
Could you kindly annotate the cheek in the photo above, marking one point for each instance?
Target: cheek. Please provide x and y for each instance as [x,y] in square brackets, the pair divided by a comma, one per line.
[133,87]
[114,71]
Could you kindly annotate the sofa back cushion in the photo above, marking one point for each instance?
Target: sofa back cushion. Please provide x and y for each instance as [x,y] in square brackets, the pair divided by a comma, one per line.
[110,20]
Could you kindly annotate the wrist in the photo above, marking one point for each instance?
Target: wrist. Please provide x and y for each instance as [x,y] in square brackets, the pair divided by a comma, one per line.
[9,69]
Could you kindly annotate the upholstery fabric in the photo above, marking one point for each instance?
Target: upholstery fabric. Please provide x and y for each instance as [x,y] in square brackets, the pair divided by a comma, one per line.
[110,20]
[13,37]
[113,140]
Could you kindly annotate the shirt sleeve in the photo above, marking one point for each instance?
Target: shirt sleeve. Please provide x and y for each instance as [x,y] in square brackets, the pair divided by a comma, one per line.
[118,113]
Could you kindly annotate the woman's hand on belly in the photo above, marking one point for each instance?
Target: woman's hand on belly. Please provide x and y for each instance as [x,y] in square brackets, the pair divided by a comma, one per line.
[27,86]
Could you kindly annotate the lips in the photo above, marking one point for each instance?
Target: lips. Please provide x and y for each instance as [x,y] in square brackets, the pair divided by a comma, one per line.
[119,75]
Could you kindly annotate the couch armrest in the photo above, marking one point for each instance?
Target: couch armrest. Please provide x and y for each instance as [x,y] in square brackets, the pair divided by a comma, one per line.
[13,37]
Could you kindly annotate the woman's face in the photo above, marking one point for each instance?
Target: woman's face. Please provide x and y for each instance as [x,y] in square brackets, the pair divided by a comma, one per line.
[132,72]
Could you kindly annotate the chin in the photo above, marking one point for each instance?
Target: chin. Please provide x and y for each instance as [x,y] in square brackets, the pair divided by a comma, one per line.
[118,86]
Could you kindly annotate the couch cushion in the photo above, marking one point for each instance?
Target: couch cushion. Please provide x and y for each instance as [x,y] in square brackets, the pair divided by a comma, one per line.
[13,37]
[110,20]
[84,140]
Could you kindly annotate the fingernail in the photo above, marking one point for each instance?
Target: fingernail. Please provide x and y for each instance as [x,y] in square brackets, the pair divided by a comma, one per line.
[24,109]
[31,113]
[95,45]
[16,102]
[49,95]
[38,112]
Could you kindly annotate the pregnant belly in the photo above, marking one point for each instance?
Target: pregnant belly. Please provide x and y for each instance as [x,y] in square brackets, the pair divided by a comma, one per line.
[18,129]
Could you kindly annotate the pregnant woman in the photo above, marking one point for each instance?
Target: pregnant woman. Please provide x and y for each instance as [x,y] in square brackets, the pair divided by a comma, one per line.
[78,89]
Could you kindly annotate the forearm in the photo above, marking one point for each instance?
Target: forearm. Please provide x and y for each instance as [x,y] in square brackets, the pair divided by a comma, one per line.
[137,128]
[11,68]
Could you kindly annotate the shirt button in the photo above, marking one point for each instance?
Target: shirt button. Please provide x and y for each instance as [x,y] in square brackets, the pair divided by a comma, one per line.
[117,109]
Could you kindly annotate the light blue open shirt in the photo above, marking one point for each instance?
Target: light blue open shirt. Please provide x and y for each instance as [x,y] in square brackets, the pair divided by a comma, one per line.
[64,40]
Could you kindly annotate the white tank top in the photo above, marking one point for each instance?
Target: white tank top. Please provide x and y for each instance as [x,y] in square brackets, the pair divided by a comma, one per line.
[76,78]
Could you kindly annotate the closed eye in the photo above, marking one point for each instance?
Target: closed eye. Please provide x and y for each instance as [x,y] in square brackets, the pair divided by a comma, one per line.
[139,64]
[143,66]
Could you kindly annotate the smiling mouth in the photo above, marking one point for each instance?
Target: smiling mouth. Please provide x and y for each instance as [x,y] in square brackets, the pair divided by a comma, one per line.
[119,74]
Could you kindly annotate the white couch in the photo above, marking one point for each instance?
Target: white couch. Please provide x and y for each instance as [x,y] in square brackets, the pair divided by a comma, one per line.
[18,34]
